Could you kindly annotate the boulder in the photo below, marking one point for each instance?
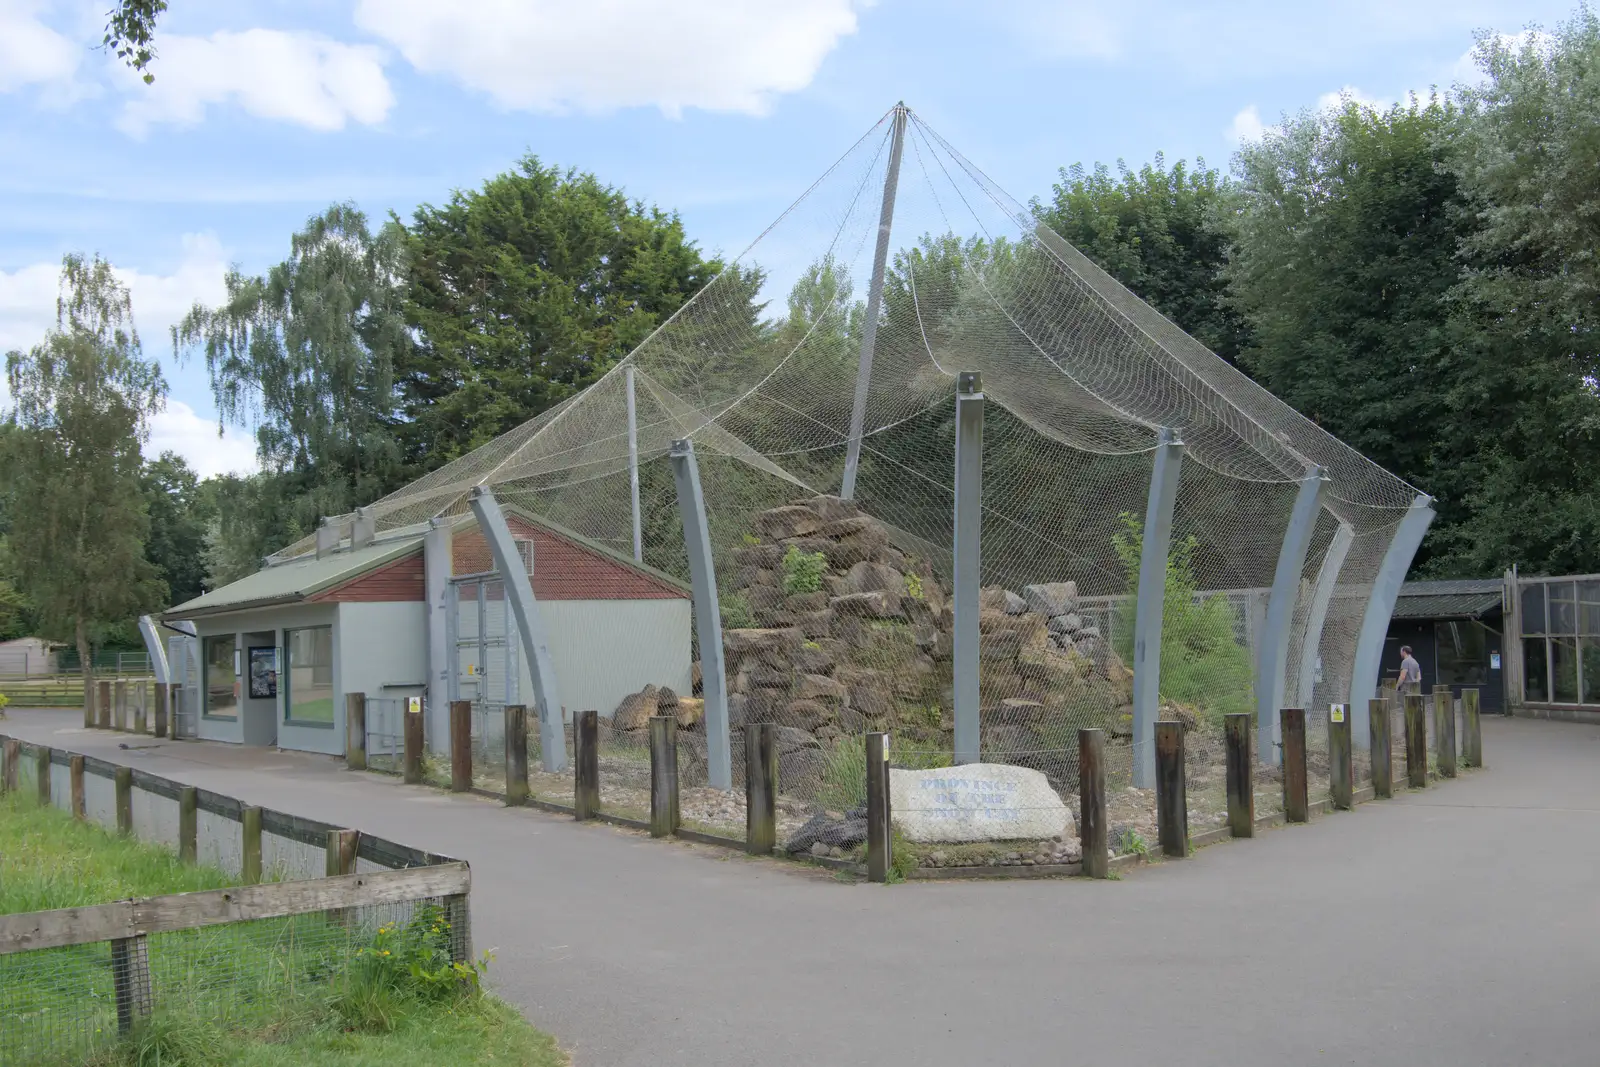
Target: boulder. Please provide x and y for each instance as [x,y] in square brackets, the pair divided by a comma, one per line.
[992,619]
[1017,711]
[1014,604]
[976,802]
[635,710]
[666,701]
[851,526]
[871,577]
[804,715]
[764,598]
[765,676]
[789,521]
[830,508]
[758,556]
[850,721]
[790,739]
[813,657]
[871,701]
[1070,623]
[800,771]
[803,602]
[1002,644]
[753,642]
[1052,598]
[992,598]
[1089,632]
[737,705]
[815,623]
[878,604]
[765,705]
[691,712]
[1049,670]
[695,681]
[821,688]
[852,550]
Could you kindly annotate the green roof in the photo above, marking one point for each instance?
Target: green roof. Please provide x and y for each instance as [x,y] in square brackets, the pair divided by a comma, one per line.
[292,582]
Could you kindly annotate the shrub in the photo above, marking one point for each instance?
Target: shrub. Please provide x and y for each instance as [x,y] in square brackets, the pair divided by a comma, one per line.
[803,571]
[403,965]
[736,613]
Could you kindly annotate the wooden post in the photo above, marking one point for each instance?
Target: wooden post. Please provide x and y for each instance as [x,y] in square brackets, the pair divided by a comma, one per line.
[1382,747]
[89,718]
[8,776]
[1341,758]
[1472,743]
[250,821]
[75,773]
[1092,826]
[1240,774]
[663,775]
[1296,802]
[124,782]
[413,744]
[130,979]
[516,755]
[163,707]
[355,731]
[761,788]
[141,694]
[1444,724]
[1416,741]
[188,824]
[341,859]
[103,703]
[119,707]
[460,746]
[880,838]
[586,765]
[41,771]
[1172,795]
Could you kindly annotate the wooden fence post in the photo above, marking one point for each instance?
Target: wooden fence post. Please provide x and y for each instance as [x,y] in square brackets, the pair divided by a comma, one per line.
[1471,721]
[75,774]
[460,746]
[119,707]
[1092,827]
[341,859]
[250,823]
[1296,802]
[412,773]
[355,731]
[1416,741]
[188,824]
[1341,758]
[880,839]
[1172,794]
[123,778]
[1444,712]
[41,770]
[103,703]
[586,765]
[141,694]
[163,709]
[1382,747]
[516,755]
[1240,773]
[130,979]
[663,775]
[8,776]
[761,788]
[89,715]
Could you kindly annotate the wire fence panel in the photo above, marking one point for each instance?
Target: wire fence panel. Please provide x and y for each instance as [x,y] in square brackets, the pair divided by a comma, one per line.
[219,842]
[385,733]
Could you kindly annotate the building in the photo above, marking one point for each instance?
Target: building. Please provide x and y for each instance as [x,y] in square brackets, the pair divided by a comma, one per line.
[278,651]
[1455,629]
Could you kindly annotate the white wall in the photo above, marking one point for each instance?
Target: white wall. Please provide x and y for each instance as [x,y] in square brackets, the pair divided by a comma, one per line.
[602,650]
[276,620]
[380,650]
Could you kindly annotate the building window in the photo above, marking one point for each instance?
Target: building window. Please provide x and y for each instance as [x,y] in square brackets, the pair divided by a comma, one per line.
[1561,641]
[1462,653]
[221,678]
[308,676]
[1536,688]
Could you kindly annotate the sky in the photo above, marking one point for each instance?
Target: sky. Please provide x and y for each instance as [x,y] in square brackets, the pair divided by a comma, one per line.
[263,112]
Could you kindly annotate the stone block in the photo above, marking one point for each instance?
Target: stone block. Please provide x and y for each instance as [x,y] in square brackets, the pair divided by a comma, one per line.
[1002,644]
[976,802]
[821,688]
[1014,605]
[788,521]
[868,577]
[691,713]
[760,556]
[1052,598]
[804,715]
[1070,623]
[759,641]
[992,598]
[878,604]
[803,602]
[815,624]
[830,508]
[634,712]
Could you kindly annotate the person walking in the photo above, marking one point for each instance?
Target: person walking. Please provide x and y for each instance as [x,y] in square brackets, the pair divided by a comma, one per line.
[1410,671]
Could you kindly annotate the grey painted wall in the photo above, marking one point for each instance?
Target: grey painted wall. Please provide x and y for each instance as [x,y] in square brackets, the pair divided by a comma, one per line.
[603,650]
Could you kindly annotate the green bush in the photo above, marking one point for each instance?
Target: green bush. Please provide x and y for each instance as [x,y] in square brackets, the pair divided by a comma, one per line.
[1203,666]
[803,571]
[402,965]
[736,613]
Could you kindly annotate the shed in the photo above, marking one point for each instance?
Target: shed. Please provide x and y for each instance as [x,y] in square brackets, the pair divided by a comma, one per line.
[1456,631]
[280,648]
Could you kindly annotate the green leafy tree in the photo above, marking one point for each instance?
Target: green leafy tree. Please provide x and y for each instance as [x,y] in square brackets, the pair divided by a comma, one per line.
[82,400]
[525,291]
[131,31]
[1162,233]
[248,517]
[179,518]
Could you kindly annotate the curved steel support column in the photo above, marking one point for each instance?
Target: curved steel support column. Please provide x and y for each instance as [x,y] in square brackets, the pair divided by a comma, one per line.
[1311,642]
[152,645]
[968,560]
[530,628]
[1272,662]
[1375,621]
[633,465]
[869,330]
[1148,609]
[707,613]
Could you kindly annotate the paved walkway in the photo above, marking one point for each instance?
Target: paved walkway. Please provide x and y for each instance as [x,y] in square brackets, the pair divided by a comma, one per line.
[1456,926]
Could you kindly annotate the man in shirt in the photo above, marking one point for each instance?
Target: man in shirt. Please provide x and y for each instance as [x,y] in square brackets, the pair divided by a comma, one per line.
[1410,671]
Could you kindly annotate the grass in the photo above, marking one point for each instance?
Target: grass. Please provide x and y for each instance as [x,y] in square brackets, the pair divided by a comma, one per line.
[259,994]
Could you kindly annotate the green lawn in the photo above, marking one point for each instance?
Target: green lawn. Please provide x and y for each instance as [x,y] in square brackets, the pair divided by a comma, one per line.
[274,993]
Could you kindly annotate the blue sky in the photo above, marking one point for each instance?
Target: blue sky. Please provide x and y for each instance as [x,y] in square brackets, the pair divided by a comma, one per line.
[265,111]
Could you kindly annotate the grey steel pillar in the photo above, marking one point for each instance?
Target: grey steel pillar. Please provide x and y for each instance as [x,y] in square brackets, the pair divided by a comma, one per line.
[152,645]
[1148,609]
[1380,606]
[1272,662]
[968,558]
[707,613]
[519,591]
[869,332]
[437,566]
[633,464]
[1311,642]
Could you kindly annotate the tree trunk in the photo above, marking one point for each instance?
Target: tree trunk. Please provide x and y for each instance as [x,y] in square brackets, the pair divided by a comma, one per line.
[85,665]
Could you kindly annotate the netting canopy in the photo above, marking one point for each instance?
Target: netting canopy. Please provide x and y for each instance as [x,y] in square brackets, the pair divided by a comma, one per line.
[760,371]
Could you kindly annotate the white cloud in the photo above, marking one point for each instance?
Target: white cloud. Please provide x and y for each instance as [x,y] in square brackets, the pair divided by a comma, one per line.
[1337,99]
[598,55]
[1246,126]
[32,53]
[1465,71]
[302,78]
[180,429]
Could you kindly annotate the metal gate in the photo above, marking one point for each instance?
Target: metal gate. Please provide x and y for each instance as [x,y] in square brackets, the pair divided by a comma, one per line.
[485,667]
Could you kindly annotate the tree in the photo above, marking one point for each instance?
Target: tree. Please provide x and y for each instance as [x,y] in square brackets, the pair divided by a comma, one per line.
[249,517]
[1160,232]
[307,354]
[130,31]
[82,401]
[524,292]
[179,518]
